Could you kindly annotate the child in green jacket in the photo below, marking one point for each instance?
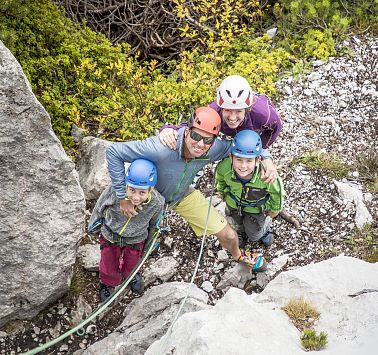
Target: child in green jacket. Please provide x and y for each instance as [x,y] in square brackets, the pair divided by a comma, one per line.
[251,202]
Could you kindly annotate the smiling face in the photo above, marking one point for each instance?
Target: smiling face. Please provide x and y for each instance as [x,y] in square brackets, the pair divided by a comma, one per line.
[233,117]
[243,167]
[137,196]
[195,148]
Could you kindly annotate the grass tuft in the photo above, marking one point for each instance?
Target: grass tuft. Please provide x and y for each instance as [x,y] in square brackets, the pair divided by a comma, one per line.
[77,282]
[302,313]
[365,242]
[367,166]
[327,163]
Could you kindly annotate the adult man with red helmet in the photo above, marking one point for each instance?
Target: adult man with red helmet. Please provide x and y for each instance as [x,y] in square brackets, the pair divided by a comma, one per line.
[197,146]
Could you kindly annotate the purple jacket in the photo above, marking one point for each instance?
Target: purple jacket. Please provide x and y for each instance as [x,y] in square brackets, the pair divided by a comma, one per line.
[262,118]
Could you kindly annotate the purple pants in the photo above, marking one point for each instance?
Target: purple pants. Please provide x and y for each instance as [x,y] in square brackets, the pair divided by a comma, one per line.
[116,262]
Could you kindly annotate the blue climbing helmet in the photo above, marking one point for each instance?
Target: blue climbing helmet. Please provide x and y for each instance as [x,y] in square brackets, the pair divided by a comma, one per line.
[141,174]
[246,144]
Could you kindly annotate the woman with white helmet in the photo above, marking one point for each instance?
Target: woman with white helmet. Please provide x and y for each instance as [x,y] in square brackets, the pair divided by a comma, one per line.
[240,109]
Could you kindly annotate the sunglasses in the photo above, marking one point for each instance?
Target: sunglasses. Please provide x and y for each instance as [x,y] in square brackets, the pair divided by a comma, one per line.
[197,137]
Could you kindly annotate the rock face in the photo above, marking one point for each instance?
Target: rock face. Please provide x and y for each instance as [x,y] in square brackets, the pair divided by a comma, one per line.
[147,318]
[343,289]
[42,204]
[92,168]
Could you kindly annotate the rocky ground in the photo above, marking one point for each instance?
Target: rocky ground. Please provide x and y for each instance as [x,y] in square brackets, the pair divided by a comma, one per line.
[332,110]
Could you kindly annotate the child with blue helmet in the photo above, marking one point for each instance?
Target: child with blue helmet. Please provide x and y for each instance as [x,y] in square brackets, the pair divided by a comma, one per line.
[251,202]
[122,238]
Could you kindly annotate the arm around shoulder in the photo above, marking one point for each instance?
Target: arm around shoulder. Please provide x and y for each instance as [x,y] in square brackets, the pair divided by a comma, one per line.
[117,154]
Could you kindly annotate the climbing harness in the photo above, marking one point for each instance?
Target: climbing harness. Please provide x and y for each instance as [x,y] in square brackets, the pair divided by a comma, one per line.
[163,225]
[241,204]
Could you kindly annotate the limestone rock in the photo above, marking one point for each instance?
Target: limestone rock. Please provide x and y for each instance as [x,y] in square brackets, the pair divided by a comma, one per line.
[92,168]
[352,193]
[147,318]
[330,286]
[235,325]
[162,269]
[42,204]
[91,255]
[343,289]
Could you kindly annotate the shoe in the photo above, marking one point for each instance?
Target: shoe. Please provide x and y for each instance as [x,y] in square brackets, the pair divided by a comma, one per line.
[242,240]
[105,292]
[254,262]
[137,284]
[268,238]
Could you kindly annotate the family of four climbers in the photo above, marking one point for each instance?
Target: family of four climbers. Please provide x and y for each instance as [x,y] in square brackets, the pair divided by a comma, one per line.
[236,129]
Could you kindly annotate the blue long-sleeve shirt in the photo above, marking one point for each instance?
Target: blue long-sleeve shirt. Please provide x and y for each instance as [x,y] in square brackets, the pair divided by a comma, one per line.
[175,174]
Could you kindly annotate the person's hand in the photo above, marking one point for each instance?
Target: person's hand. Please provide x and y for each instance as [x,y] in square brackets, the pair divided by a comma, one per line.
[269,171]
[272,214]
[168,137]
[127,208]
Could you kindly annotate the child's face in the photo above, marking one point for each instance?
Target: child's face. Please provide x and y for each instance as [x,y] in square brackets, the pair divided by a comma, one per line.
[244,167]
[233,117]
[137,196]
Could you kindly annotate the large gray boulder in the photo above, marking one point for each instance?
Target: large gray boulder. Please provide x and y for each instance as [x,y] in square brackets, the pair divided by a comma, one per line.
[147,318]
[235,325]
[42,204]
[343,289]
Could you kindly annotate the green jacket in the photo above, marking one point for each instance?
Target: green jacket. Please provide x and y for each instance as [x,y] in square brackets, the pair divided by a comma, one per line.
[253,197]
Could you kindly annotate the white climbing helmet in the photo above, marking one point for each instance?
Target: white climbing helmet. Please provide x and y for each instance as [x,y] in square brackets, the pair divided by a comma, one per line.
[234,92]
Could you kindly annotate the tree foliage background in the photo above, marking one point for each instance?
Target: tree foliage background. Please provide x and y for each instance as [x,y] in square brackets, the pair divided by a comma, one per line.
[120,69]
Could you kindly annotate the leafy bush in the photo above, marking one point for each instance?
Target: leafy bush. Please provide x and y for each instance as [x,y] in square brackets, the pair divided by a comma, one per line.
[312,341]
[197,75]
[311,28]
[216,23]
[81,78]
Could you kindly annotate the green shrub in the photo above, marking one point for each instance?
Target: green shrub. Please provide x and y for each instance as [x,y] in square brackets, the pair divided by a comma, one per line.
[319,44]
[312,341]
[312,28]
[81,78]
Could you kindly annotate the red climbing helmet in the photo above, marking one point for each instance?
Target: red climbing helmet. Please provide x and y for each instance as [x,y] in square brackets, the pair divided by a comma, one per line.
[206,119]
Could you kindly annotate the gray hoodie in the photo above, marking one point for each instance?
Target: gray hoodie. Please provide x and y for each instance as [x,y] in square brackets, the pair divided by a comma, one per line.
[137,228]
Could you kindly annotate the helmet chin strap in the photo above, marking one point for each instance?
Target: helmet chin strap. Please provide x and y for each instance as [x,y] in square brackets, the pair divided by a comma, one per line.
[241,123]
